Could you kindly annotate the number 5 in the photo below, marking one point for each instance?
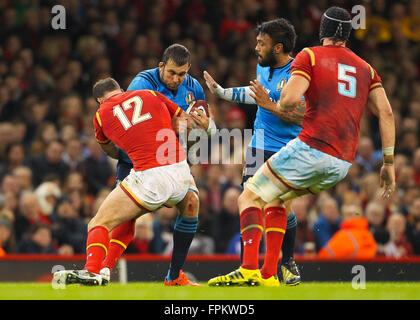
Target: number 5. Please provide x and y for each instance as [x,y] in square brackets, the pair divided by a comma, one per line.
[347,89]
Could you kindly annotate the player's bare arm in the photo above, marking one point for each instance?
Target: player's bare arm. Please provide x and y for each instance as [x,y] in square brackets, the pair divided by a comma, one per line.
[261,97]
[291,95]
[294,115]
[380,107]
[110,149]
[255,94]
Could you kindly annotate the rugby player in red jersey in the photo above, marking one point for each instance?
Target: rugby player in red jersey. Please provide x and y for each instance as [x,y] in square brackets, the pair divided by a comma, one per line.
[337,85]
[133,121]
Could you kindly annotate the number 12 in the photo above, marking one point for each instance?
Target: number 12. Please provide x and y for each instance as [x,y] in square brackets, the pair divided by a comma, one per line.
[137,116]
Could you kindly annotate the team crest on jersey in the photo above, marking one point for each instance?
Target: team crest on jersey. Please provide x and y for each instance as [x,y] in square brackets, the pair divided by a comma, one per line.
[189,97]
[281,84]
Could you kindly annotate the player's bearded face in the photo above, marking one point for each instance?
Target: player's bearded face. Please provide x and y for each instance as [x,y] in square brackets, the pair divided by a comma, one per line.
[268,59]
[172,75]
[265,51]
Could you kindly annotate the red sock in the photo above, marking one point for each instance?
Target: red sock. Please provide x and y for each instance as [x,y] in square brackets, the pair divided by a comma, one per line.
[251,220]
[121,237]
[275,228]
[96,248]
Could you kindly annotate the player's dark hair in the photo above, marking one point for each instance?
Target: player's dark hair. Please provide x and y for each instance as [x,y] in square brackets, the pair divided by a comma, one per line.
[335,25]
[101,87]
[280,31]
[178,54]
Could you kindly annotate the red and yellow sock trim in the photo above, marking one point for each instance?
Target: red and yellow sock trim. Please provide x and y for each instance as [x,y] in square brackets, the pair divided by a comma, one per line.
[275,230]
[252,226]
[98,244]
[118,242]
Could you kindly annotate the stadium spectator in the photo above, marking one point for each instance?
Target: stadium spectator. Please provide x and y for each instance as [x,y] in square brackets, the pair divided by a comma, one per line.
[226,222]
[416,166]
[214,177]
[47,194]
[39,240]
[353,240]
[143,234]
[327,223]
[50,163]
[7,240]
[368,186]
[23,177]
[15,156]
[375,215]
[203,242]
[398,245]
[29,214]
[95,168]
[163,228]
[305,238]
[67,131]
[413,226]
[367,157]
[44,133]
[73,155]
[67,228]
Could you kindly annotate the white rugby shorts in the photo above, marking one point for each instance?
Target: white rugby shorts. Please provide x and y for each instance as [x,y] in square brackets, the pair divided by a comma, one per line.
[156,187]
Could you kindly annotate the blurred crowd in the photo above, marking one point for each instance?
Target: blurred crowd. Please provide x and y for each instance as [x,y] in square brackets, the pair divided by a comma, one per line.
[54,176]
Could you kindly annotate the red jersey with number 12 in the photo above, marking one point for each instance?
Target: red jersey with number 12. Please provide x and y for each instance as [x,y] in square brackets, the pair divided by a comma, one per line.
[140,123]
[340,82]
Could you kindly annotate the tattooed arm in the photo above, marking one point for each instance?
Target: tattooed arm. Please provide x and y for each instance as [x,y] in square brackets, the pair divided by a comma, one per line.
[294,115]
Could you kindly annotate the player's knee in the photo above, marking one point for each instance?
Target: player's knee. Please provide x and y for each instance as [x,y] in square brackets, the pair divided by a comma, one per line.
[243,199]
[192,206]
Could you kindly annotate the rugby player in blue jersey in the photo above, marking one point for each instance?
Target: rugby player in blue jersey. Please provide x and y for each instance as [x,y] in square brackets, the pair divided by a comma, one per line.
[273,129]
[170,78]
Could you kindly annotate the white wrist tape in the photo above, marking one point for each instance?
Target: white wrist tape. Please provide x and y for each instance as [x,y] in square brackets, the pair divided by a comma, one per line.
[389,151]
[239,94]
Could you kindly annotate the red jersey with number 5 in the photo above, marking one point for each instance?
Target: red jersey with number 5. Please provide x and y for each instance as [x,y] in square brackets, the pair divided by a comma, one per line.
[140,123]
[340,82]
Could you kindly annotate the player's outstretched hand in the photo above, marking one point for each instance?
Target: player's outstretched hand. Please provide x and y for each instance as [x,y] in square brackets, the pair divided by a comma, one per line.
[211,84]
[387,180]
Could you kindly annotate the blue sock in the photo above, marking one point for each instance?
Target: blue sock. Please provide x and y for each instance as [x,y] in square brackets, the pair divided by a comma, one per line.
[288,247]
[184,232]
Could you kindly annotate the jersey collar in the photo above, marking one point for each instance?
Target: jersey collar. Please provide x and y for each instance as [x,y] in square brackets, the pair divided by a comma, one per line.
[284,65]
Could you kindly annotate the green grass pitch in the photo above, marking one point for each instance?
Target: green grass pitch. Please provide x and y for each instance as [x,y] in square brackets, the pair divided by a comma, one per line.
[157,291]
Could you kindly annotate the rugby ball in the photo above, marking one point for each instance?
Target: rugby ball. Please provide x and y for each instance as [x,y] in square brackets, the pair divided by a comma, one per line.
[199,105]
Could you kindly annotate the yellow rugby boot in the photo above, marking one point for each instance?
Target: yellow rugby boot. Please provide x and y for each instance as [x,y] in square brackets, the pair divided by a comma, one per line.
[273,281]
[239,277]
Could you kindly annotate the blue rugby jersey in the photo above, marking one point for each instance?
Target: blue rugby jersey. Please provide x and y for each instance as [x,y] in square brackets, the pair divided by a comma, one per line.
[189,91]
[277,132]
